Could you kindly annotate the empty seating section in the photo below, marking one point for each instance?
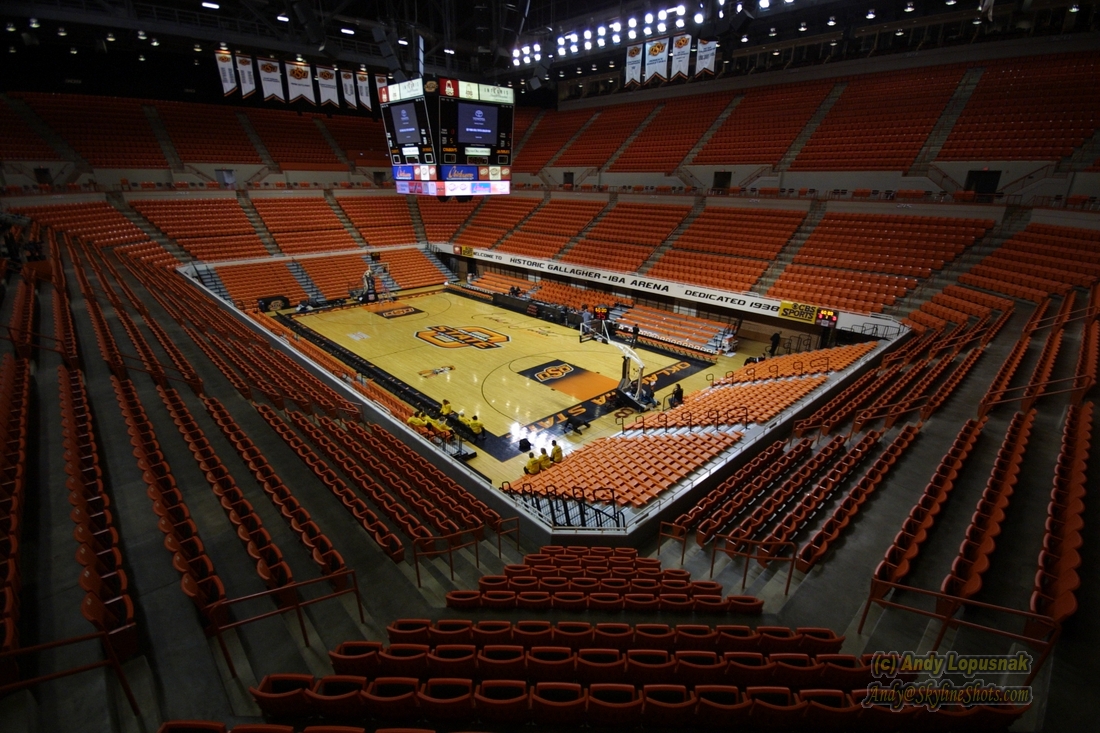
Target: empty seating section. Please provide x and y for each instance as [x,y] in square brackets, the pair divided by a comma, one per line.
[573,297]
[495,282]
[861,291]
[411,268]
[605,135]
[1022,110]
[207,133]
[1056,578]
[690,331]
[550,135]
[149,252]
[913,246]
[658,462]
[835,359]
[1041,260]
[362,139]
[96,222]
[108,132]
[626,235]
[302,225]
[551,227]
[381,220]
[19,141]
[764,124]
[880,121]
[734,405]
[671,134]
[754,233]
[209,229]
[16,406]
[497,216]
[716,271]
[246,283]
[336,275]
[524,118]
[442,220]
[294,140]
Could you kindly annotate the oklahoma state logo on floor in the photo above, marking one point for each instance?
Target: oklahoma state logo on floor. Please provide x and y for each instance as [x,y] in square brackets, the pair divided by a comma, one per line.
[449,337]
[556,371]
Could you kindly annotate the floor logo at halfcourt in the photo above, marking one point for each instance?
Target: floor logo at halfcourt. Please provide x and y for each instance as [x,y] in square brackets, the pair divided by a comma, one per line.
[449,337]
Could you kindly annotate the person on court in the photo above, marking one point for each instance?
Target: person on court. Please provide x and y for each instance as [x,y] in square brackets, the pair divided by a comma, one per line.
[534,465]
[555,452]
[474,425]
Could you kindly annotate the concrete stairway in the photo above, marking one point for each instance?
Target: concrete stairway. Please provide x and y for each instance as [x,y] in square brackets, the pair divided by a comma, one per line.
[261,149]
[348,226]
[527,135]
[116,200]
[336,149]
[208,276]
[160,132]
[946,122]
[417,221]
[1015,219]
[431,256]
[305,280]
[811,126]
[714,127]
[55,141]
[633,136]
[258,223]
[571,140]
[613,199]
[521,222]
[790,249]
[1082,157]
[696,210]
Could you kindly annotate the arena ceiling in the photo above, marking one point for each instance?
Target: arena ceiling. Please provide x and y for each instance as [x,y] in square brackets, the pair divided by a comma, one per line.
[477,38]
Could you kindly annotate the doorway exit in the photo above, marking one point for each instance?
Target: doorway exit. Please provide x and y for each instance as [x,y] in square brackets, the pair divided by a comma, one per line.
[722,180]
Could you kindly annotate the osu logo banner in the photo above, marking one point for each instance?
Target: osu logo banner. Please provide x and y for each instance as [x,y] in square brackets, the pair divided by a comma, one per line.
[449,337]
[554,371]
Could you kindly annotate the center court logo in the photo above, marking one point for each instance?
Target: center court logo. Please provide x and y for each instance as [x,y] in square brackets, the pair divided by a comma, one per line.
[557,371]
[450,337]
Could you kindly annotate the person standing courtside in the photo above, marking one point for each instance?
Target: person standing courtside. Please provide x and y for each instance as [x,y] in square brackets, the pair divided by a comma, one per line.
[775,342]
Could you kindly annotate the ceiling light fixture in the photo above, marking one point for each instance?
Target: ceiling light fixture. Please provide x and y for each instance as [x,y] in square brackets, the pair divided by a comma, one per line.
[347,31]
[1075,8]
[802,27]
[11,27]
[62,32]
[141,57]
[765,4]
[198,48]
[951,2]
[772,32]
[402,42]
[449,51]
[588,45]
[73,50]
[155,42]
[515,62]
[282,18]
[831,21]
[661,27]
[744,39]
[211,6]
[698,18]
[647,30]
[909,7]
[631,34]
[111,37]
[633,22]
[871,14]
[616,38]
[11,49]
[899,32]
[141,35]
[34,22]
[299,58]
[649,17]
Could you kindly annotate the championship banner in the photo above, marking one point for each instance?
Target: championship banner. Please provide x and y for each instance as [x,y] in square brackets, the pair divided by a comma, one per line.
[326,83]
[299,82]
[380,84]
[656,60]
[362,83]
[247,73]
[347,81]
[271,79]
[225,70]
[704,57]
[681,56]
[634,65]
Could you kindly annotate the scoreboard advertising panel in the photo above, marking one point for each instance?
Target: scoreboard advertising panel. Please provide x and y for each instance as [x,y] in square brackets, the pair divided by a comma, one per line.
[448,137]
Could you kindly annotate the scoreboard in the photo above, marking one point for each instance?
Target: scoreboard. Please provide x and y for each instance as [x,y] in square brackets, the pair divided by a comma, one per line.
[448,137]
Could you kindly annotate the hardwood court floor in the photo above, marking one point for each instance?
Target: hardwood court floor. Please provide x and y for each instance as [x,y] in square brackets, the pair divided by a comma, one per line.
[499,365]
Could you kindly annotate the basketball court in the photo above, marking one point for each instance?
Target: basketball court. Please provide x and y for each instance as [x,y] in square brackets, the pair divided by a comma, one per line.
[521,376]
